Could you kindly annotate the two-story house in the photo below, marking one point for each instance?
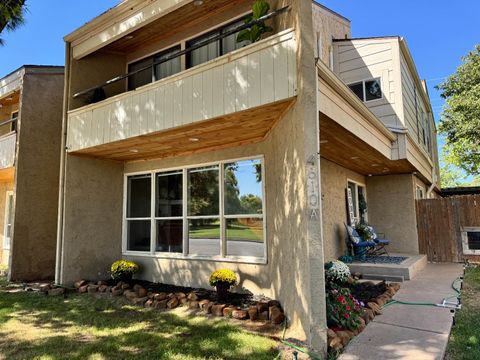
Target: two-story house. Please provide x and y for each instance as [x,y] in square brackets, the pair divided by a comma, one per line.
[30,132]
[187,150]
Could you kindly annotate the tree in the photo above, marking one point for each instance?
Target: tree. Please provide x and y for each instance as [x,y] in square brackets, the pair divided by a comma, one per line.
[11,15]
[450,176]
[460,120]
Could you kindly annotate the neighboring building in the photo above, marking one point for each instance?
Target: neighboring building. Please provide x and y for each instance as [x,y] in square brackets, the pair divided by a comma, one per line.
[30,127]
[207,155]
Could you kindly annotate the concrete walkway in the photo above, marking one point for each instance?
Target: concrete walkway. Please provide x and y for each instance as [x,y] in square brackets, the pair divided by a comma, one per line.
[410,332]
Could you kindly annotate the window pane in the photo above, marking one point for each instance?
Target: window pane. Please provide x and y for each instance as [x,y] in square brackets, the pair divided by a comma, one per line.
[143,77]
[203,188]
[205,53]
[243,187]
[204,237]
[373,90]
[138,235]
[170,236]
[357,89]
[139,194]
[169,67]
[245,237]
[352,188]
[168,201]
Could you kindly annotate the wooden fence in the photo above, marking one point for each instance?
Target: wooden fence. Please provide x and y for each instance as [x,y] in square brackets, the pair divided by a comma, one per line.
[440,222]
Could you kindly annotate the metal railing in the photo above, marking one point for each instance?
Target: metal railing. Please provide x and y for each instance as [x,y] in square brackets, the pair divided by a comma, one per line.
[185,51]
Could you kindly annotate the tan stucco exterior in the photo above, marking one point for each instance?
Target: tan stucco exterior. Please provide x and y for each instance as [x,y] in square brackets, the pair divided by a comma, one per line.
[35,183]
[4,253]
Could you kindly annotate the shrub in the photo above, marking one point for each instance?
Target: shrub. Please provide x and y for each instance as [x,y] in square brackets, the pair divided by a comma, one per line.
[336,272]
[123,269]
[343,310]
[225,276]
[364,231]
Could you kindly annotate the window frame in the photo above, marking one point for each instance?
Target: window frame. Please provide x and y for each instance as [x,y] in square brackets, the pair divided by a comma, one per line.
[8,244]
[363,81]
[222,257]
[357,204]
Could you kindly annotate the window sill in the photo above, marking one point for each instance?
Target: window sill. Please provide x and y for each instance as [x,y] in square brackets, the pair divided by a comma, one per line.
[230,259]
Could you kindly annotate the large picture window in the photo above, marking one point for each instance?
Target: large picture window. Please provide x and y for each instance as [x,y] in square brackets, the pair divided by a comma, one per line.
[213,211]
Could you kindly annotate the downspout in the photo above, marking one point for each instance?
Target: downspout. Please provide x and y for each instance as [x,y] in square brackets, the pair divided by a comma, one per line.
[61,197]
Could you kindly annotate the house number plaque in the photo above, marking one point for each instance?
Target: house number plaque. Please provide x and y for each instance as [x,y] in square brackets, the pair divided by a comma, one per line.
[312,190]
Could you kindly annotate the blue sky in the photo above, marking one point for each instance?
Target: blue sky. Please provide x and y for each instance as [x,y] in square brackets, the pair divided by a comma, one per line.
[437,32]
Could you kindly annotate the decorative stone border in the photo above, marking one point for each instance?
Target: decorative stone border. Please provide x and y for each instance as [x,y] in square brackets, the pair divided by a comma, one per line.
[261,311]
[338,339]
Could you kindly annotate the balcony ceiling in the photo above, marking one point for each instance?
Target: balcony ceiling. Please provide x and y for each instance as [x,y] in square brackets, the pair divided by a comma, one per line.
[184,19]
[340,146]
[240,128]
[11,99]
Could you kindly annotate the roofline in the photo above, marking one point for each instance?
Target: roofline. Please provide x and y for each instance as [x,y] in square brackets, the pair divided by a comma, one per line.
[28,66]
[338,85]
[331,11]
[370,38]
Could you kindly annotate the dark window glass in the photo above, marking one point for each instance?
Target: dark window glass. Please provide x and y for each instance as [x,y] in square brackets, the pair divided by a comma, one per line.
[13,125]
[357,88]
[138,235]
[473,240]
[169,194]
[139,196]
[373,90]
[169,67]
[170,236]
[143,77]
[203,191]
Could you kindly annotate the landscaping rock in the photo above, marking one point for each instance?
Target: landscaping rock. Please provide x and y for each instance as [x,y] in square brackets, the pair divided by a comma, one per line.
[192,296]
[117,291]
[136,287]
[183,301]
[141,292]
[262,306]
[276,303]
[130,295]
[101,282]
[335,343]
[159,297]
[45,288]
[79,283]
[206,306]
[92,289]
[102,288]
[149,303]
[125,286]
[276,315]
[227,312]
[217,309]
[172,303]
[374,306]
[180,295]
[344,336]
[160,304]
[263,315]
[253,313]
[193,304]
[395,286]
[240,314]
[380,301]
[140,300]
[56,291]
[83,289]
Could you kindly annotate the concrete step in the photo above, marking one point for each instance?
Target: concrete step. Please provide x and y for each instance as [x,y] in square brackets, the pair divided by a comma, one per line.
[390,278]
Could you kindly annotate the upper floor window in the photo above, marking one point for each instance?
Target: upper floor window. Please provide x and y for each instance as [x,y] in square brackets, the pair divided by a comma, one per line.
[152,72]
[367,90]
[215,48]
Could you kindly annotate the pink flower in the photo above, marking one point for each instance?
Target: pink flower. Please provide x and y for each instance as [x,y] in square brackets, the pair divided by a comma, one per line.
[348,308]
[346,315]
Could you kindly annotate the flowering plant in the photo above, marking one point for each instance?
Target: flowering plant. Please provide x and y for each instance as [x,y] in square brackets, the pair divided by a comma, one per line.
[123,270]
[336,272]
[364,230]
[343,310]
[225,276]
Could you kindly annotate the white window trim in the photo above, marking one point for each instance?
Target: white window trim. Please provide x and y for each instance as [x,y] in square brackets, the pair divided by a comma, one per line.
[357,205]
[422,190]
[5,245]
[222,257]
[379,78]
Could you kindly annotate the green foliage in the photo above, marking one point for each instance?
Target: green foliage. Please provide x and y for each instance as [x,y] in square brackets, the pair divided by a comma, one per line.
[254,33]
[460,122]
[251,204]
[223,276]
[364,231]
[336,273]
[122,269]
[343,309]
[11,15]
[450,176]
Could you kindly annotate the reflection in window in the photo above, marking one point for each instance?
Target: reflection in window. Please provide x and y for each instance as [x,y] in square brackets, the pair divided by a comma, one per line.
[245,237]
[203,191]
[170,236]
[204,237]
[169,194]
[367,90]
[138,235]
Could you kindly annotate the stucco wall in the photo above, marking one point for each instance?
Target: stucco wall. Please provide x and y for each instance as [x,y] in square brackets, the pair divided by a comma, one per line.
[391,210]
[92,218]
[4,187]
[36,177]
[334,183]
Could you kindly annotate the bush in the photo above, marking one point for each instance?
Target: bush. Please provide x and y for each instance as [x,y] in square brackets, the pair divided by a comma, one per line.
[123,270]
[225,276]
[343,310]
[364,231]
[336,272]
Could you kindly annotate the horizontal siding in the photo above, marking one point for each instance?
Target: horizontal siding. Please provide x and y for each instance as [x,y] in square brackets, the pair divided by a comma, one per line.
[7,150]
[251,77]
[357,61]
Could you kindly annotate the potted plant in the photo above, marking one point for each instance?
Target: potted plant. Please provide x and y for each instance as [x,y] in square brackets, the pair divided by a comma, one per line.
[123,270]
[254,33]
[222,280]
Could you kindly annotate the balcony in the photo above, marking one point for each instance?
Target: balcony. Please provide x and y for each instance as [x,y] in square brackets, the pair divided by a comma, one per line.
[7,155]
[232,100]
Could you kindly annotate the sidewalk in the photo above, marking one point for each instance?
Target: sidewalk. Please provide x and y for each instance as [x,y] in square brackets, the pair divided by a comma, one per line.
[410,332]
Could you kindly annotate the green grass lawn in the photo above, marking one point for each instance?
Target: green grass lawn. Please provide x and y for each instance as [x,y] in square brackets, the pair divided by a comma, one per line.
[237,232]
[34,326]
[464,341]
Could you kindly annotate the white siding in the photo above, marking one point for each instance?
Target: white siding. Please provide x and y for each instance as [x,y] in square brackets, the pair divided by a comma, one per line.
[362,60]
[7,150]
[256,75]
